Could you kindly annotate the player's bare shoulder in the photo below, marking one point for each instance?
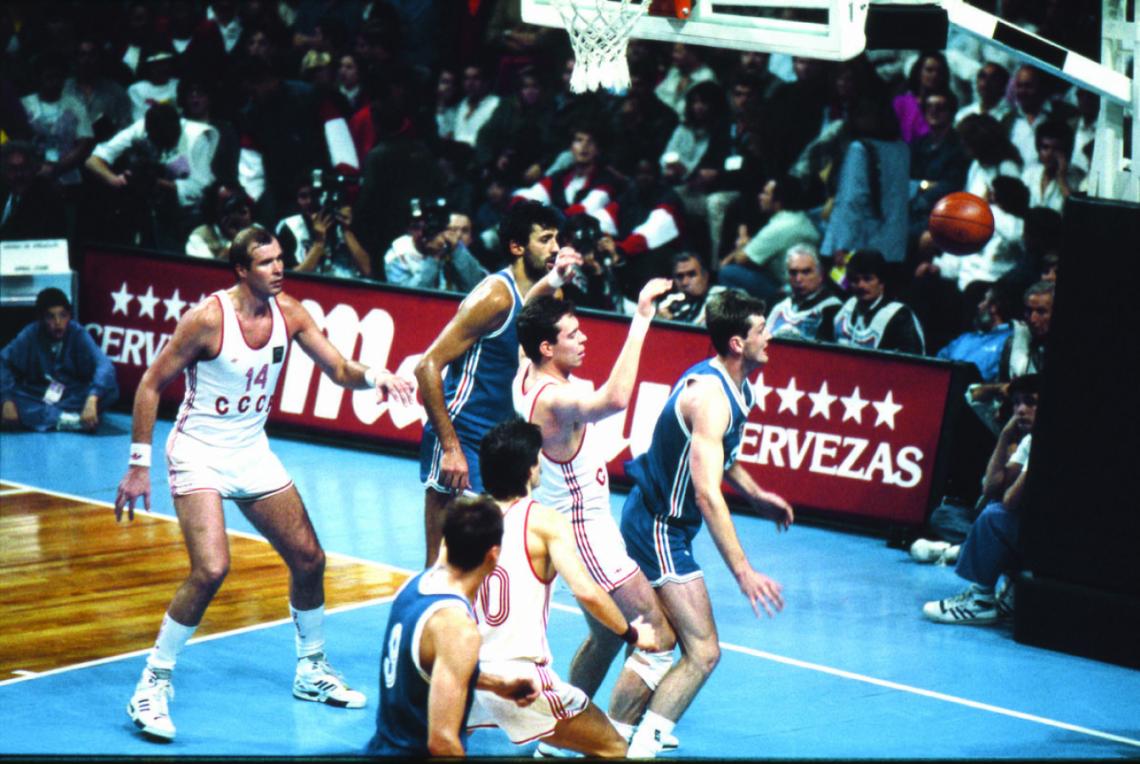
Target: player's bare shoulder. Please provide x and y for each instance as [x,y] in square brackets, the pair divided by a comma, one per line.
[204,320]
[296,316]
[491,295]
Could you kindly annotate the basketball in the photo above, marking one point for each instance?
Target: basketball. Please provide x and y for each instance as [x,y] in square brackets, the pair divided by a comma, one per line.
[961,223]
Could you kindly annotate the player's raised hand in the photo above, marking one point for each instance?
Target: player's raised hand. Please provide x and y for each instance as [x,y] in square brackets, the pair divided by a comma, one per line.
[565,262]
[135,484]
[758,588]
[653,289]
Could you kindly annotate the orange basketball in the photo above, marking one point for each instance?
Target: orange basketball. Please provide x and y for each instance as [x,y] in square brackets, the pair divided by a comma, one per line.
[961,223]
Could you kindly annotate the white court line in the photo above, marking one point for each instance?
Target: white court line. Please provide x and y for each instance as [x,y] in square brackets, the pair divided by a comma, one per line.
[906,688]
[571,609]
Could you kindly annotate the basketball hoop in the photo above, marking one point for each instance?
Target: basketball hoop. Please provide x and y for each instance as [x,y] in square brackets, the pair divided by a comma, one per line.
[599,34]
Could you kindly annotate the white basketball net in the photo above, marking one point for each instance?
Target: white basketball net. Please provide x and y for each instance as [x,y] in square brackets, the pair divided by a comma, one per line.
[599,33]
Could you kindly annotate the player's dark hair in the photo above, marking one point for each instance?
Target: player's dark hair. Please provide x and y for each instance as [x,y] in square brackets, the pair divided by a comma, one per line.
[867,262]
[506,456]
[471,526]
[728,314]
[521,219]
[247,240]
[538,323]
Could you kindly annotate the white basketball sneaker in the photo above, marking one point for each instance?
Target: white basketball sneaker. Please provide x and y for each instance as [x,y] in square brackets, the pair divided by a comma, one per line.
[149,706]
[319,682]
[926,551]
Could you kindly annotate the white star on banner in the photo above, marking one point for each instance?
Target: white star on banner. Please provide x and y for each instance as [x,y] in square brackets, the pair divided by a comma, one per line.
[174,307]
[853,406]
[760,390]
[147,302]
[790,397]
[201,299]
[122,300]
[886,408]
[821,402]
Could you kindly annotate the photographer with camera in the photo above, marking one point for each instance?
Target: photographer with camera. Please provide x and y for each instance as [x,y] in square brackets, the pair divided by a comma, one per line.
[593,285]
[159,166]
[320,237]
[431,255]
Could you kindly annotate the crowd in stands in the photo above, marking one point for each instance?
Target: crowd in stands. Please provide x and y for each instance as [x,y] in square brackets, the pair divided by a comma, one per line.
[384,140]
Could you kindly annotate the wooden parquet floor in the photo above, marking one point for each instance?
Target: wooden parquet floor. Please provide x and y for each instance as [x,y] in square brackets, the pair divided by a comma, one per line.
[77,587]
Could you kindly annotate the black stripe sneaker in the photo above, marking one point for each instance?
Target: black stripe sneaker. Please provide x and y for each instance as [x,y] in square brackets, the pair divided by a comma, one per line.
[317,681]
[969,607]
[149,706]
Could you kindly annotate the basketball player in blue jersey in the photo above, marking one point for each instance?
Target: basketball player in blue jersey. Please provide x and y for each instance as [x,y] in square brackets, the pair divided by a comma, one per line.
[429,664]
[479,347]
[677,488]
[232,347]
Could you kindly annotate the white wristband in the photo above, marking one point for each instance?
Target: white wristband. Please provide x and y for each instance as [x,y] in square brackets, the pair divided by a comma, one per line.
[370,377]
[556,280]
[639,326]
[140,455]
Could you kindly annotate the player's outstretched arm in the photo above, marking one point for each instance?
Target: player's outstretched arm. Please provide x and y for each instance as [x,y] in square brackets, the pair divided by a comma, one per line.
[345,372]
[481,312]
[704,406]
[555,532]
[197,335]
[450,645]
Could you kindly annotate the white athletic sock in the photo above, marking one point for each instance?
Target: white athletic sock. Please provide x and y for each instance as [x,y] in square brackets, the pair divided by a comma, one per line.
[310,634]
[646,741]
[172,637]
[625,730]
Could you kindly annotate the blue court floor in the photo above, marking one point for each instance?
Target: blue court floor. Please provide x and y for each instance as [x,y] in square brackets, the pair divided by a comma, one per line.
[849,670]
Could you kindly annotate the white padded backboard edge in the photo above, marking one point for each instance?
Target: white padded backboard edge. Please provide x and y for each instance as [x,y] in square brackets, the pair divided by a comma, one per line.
[834,31]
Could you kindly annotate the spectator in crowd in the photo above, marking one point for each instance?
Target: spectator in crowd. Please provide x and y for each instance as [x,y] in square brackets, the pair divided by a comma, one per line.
[196,102]
[302,234]
[795,112]
[106,101]
[1084,136]
[1030,110]
[478,103]
[31,205]
[447,98]
[61,129]
[808,313]
[990,151]
[929,74]
[524,122]
[1053,178]
[983,344]
[431,256]
[991,548]
[136,35]
[158,167]
[156,83]
[950,522]
[868,319]
[695,154]
[52,375]
[938,161]
[1023,353]
[226,210]
[990,88]
[870,207]
[640,123]
[643,229]
[757,265]
[588,185]
[693,286]
[688,68]
[349,81]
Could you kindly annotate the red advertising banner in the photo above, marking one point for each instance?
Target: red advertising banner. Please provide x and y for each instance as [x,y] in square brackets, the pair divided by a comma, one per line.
[842,430]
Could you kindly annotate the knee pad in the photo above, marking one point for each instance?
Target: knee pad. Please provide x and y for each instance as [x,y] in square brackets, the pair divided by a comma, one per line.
[651,667]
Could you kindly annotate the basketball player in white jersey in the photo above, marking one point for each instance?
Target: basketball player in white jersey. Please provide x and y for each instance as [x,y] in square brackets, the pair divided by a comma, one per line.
[231,347]
[574,481]
[513,606]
